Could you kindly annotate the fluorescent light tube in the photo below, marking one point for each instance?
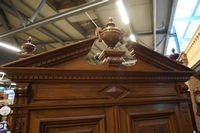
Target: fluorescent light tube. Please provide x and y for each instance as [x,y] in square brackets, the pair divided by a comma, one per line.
[122,12]
[9,47]
[132,37]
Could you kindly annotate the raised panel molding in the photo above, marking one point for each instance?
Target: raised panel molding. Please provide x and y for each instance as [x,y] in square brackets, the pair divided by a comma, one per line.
[153,122]
[158,118]
[152,126]
[77,124]
[101,91]
[73,120]
[114,91]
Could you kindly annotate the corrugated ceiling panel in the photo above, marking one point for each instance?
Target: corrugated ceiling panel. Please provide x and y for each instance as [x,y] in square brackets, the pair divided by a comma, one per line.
[83,17]
[136,2]
[147,41]
[2,29]
[12,20]
[24,36]
[23,8]
[45,11]
[57,45]
[106,12]
[141,17]
[57,32]
[101,45]
[163,11]
[159,38]
[68,29]
[40,35]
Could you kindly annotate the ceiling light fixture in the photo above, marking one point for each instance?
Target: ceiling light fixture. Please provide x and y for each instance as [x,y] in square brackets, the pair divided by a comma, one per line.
[9,47]
[122,12]
[132,37]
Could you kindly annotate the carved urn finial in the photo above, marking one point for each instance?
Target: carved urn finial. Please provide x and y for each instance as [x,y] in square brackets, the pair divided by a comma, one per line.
[28,47]
[110,35]
[173,55]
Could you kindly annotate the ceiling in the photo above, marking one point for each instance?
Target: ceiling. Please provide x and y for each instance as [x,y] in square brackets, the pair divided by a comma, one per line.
[55,23]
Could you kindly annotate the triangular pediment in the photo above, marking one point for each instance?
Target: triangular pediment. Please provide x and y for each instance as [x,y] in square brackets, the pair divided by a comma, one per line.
[73,57]
[54,58]
[68,64]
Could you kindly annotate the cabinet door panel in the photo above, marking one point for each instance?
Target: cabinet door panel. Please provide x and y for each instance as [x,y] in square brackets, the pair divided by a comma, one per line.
[152,126]
[155,118]
[74,120]
[79,124]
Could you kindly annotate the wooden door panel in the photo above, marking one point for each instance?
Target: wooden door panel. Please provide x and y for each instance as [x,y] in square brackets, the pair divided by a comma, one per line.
[73,120]
[78,124]
[155,118]
[152,126]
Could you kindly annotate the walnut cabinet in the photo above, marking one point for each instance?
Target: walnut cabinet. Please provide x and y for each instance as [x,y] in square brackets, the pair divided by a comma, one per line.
[60,92]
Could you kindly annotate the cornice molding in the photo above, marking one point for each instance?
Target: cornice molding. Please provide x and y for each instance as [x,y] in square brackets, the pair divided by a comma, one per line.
[155,58]
[70,75]
[56,56]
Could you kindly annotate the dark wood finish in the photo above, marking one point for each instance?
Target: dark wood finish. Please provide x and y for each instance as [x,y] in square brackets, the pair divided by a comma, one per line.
[198,109]
[197,101]
[59,92]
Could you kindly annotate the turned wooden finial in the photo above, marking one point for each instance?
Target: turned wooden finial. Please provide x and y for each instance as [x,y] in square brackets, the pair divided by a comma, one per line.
[110,35]
[28,47]
[29,39]
[110,22]
[173,55]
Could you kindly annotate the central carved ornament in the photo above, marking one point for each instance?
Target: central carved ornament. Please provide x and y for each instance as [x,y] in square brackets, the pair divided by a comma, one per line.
[111,35]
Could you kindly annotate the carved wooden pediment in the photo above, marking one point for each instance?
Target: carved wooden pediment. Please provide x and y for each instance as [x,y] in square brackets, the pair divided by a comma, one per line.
[59,91]
[74,55]
[69,63]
